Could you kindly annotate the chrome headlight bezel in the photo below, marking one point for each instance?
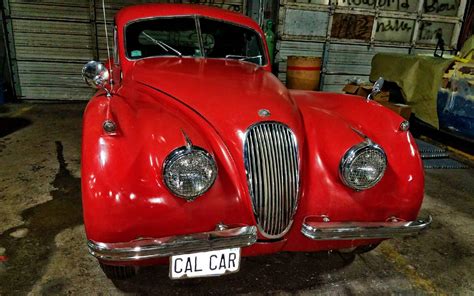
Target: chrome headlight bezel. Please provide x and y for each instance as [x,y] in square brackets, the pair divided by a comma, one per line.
[179,153]
[349,157]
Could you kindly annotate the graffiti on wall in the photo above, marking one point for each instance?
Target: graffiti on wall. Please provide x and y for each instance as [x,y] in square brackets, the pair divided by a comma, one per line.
[395,30]
[429,30]
[352,26]
[398,5]
[441,7]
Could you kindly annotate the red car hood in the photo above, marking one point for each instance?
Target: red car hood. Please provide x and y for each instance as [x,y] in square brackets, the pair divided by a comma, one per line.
[227,93]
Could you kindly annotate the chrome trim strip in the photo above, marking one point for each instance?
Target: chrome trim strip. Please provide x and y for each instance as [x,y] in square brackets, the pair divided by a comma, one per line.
[149,248]
[363,230]
[272,168]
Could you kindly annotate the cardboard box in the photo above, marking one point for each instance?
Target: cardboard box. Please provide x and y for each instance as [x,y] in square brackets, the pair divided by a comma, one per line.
[401,109]
[382,96]
[358,90]
[364,90]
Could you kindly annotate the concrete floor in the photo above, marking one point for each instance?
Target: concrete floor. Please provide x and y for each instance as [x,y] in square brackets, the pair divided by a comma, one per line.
[42,238]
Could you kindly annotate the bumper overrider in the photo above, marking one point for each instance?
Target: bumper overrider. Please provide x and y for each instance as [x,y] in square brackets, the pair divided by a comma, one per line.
[223,238]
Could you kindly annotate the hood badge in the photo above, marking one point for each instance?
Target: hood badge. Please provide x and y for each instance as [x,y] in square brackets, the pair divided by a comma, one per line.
[264,113]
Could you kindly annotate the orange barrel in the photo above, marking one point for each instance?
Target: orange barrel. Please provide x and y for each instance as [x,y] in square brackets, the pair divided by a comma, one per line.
[303,72]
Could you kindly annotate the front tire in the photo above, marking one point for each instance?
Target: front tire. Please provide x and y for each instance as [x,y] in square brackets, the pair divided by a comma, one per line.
[114,272]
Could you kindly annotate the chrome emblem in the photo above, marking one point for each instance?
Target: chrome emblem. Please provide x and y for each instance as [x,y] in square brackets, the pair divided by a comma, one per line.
[263,113]
[405,125]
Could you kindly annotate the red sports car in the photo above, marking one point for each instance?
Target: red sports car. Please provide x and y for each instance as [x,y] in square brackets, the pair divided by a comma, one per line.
[195,154]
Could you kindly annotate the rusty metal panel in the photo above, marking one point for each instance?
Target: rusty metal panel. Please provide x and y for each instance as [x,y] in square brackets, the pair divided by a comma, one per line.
[352,26]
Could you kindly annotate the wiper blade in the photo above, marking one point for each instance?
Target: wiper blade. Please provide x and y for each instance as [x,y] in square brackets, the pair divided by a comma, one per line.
[244,58]
[163,45]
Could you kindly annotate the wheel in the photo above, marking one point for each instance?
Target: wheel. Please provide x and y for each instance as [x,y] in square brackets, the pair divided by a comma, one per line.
[118,272]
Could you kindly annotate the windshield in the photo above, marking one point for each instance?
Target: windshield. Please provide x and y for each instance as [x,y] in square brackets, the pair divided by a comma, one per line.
[178,36]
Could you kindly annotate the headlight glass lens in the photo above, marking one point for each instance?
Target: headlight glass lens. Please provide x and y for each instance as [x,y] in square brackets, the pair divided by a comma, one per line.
[189,172]
[363,166]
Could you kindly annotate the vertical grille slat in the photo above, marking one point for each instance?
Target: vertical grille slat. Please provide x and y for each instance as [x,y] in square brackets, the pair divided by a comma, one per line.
[271,161]
[282,174]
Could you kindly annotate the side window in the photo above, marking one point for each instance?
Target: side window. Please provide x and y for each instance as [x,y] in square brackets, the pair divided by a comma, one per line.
[116,57]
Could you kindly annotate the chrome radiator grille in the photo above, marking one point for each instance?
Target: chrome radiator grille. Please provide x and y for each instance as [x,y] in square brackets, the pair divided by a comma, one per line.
[271,161]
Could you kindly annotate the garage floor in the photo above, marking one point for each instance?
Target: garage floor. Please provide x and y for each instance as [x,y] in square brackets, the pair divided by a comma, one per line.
[42,240]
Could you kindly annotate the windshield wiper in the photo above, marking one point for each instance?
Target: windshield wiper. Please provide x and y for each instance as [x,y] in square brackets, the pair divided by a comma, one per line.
[163,45]
[244,58]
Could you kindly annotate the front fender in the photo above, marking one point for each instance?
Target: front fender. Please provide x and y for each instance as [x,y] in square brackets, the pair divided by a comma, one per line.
[330,120]
[124,196]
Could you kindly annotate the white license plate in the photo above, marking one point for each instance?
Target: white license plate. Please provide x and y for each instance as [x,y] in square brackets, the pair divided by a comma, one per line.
[212,263]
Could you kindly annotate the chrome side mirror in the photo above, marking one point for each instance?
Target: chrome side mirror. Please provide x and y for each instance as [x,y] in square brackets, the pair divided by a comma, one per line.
[95,74]
[376,88]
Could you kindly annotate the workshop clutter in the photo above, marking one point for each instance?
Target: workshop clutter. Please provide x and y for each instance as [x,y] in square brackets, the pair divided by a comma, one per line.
[363,89]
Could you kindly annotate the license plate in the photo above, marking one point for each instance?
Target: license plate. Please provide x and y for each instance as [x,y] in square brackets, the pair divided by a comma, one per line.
[212,263]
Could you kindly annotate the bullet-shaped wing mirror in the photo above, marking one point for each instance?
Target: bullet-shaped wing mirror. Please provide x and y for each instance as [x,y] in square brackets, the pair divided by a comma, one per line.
[95,74]
[376,88]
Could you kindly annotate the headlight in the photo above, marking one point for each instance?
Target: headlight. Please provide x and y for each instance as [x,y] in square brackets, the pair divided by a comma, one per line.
[363,166]
[189,172]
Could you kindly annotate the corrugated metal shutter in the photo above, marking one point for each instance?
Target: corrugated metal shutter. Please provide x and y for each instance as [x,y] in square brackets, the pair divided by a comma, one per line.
[346,61]
[347,33]
[50,40]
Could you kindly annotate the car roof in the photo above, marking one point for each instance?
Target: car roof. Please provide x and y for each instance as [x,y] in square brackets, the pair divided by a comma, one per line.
[131,13]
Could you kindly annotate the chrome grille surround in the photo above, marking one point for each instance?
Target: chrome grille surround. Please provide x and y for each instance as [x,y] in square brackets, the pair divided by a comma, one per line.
[271,163]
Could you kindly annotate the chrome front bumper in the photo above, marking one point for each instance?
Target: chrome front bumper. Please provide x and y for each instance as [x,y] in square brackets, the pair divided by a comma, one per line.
[363,230]
[150,248]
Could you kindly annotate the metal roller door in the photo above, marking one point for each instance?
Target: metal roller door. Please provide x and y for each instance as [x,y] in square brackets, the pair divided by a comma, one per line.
[50,40]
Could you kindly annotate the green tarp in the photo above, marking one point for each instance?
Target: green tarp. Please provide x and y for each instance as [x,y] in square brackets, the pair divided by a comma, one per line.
[419,78]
